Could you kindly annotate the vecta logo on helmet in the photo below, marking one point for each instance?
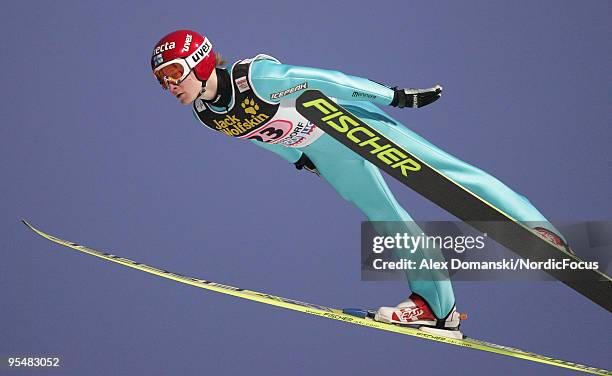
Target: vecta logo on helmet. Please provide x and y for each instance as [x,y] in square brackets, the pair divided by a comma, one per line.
[187,43]
[164,47]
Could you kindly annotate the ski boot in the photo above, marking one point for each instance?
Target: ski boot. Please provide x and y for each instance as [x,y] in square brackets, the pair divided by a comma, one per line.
[553,238]
[416,312]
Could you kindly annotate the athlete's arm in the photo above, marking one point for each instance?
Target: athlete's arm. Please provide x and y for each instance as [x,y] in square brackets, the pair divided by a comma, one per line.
[273,81]
[291,155]
[416,98]
[304,163]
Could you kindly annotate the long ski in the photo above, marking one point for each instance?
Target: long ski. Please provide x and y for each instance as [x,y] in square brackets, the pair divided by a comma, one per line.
[317,310]
[414,173]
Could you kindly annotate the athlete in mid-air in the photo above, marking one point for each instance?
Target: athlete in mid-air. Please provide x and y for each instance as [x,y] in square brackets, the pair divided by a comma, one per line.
[254,99]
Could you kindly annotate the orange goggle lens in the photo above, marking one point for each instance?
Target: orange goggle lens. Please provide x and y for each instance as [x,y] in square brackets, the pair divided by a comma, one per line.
[170,74]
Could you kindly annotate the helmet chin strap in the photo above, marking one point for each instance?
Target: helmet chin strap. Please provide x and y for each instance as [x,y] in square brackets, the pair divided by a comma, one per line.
[202,90]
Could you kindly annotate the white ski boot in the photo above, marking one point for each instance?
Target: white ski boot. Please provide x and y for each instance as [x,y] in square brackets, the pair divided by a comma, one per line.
[553,238]
[415,312]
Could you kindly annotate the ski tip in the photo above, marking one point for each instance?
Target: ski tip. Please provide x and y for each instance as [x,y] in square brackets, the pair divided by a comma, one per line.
[30,226]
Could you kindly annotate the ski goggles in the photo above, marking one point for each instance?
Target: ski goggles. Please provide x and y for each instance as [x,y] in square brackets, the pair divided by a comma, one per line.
[172,72]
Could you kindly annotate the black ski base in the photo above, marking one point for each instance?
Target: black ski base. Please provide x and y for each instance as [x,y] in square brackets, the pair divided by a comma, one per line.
[373,146]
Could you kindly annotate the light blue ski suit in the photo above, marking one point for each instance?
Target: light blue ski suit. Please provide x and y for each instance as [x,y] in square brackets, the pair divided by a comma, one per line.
[357,180]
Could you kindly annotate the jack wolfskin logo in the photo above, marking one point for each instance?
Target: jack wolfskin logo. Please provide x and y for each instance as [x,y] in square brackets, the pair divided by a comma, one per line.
[250,107]
[234,125]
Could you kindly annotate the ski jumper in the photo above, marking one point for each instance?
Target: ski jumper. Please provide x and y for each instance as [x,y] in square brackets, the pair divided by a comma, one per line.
[262,109]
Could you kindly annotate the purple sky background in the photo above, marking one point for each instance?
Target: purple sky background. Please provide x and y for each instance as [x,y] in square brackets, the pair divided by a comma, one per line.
[93,151]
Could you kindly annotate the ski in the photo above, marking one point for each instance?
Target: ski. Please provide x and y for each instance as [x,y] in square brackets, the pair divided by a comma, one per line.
[322,311]
[366,141]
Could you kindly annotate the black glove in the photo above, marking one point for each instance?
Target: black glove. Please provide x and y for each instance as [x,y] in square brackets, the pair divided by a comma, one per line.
[415,98]
[305,163]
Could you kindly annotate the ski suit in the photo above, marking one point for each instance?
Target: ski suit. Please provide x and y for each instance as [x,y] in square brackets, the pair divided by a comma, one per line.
[262,109]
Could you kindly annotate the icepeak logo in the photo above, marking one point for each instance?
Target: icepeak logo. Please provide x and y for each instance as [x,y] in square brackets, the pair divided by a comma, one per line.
[291,90]
[187,43]
[164,47]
